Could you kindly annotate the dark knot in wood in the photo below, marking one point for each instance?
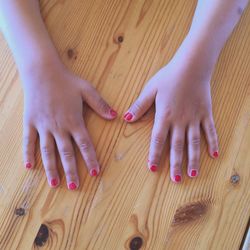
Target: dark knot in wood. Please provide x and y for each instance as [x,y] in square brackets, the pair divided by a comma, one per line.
[71,53]
[189,212]
[42,235]
[235,179]
[136,243]
[20,211]
[120,39]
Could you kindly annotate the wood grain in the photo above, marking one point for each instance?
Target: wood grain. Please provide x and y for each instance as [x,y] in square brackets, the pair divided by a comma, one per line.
[118,45]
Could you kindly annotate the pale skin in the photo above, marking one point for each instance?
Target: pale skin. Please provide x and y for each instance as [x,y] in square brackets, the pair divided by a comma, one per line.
[54,96]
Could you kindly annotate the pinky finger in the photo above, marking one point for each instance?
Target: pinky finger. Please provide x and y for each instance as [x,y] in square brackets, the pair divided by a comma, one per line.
[29,144]
[211,136]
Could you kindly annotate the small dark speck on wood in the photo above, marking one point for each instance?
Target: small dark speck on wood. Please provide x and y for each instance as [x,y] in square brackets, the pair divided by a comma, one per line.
[136,243]
[71,54]
[120,39]
[42,235]
[20,211]
[235,179]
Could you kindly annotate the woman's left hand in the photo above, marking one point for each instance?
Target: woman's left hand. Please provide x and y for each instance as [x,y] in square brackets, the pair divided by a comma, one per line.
[181,92]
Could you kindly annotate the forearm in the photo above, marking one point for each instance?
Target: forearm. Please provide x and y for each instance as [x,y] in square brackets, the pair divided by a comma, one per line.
[26,34]
[213,22]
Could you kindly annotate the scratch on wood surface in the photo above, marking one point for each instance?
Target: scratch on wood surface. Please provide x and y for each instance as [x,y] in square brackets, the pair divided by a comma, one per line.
[1,189]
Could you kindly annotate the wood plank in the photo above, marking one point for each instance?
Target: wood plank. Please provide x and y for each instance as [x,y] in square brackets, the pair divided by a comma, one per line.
[118,45]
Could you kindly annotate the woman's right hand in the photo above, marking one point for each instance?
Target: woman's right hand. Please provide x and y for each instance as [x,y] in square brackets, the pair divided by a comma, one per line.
[53,108]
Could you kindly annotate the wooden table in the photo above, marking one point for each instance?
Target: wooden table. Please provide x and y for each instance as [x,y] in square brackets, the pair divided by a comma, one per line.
[118,45]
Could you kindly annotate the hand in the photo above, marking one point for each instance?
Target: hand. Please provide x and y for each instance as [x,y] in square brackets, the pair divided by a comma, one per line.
[181,91]
[53,107]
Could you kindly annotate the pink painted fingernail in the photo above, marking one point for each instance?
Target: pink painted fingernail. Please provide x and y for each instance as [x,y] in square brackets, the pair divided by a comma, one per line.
[113,112]
[216,154]
[153,168]
[93,172]
[128,116]
[54,182]
[193,173]
[177,178]
[72,186]
[28,165]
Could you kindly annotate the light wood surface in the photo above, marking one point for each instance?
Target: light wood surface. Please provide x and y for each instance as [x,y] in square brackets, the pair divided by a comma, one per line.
[118,45]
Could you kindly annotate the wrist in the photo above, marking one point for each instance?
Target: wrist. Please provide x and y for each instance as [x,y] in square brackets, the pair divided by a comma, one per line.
[198,52]
[39,62]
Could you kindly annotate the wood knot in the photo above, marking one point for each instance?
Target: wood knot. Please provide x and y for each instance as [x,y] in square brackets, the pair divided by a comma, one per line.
[235,179]
[20,211]
[71,53]
[42,235]
[136,243]
[189,212]
[119,39]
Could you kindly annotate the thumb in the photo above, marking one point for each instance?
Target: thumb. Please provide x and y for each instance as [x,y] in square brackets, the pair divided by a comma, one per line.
[141,105]
[97,103]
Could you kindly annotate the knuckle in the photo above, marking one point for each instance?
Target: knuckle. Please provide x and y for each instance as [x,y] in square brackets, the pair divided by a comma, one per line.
[194,161]
[67,153]
[176,165]
[27,140]
[46,150]
[211,129]
[195,141]
[178,145]
[70,172]
[102,105]
[158,140]
[214,142]
[84,145]
[50,170]
[28,152]
[137,107]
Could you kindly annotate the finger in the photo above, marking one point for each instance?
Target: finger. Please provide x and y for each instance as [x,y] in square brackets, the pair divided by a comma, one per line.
[67,155]
[141,105]
[176,152]
[97,103]
[47,146]
[158,139]
[29,145]
[85,145]
[193,138]
[211,136]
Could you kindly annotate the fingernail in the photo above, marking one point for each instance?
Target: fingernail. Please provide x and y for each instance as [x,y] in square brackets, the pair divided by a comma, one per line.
[72,186]
[153,168]
[28,165]
[54,182]
[113,112]
[93,172]
[177,178]
[216,154]
[193,173]
[128,116]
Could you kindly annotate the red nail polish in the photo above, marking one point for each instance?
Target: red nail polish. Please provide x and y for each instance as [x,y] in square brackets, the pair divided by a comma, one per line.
[128,116]
[28,165]
[193,173]
[93,172]
[153,168]
[215,154]
[72,186]
[113,112]
[177,178]
[54,182]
